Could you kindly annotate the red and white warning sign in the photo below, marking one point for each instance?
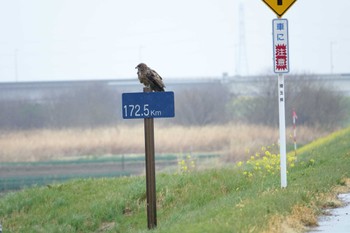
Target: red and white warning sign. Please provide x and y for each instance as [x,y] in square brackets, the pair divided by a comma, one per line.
[280,46]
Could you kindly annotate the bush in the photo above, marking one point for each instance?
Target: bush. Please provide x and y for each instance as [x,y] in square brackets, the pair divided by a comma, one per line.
[21,114]
[202,106]
[93,105]
[316,103]
[87,107]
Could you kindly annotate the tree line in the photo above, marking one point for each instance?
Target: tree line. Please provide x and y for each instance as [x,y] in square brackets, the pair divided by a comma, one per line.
[316,103]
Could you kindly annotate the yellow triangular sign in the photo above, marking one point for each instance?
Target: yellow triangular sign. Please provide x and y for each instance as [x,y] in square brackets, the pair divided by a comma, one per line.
[279,6]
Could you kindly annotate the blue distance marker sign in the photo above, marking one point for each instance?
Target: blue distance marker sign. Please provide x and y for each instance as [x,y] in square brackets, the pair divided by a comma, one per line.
[148,105]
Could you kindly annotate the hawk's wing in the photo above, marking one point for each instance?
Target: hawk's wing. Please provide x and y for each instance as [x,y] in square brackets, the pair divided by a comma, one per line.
[155,80]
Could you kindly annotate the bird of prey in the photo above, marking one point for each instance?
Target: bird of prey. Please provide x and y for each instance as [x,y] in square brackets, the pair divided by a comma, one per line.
[149,77]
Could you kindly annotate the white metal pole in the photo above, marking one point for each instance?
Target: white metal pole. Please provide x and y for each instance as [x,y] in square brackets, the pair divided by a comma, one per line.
[282,126]
[295,135]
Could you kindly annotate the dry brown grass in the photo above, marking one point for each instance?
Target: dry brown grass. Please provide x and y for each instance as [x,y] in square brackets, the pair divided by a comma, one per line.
[303,217]
[232,140]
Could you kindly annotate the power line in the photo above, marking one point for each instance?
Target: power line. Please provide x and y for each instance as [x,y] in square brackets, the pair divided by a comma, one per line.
[242,61]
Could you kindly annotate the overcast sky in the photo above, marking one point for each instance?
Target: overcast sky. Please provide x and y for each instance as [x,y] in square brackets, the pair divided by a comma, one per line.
[106,39]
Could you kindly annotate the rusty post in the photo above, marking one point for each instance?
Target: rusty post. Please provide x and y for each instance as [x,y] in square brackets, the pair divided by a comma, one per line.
[150,171]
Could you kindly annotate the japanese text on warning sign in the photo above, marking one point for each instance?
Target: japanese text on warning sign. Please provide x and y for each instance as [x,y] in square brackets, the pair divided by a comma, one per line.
[280,46]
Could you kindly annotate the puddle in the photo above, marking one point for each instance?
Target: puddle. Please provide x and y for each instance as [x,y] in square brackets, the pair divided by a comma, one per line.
[338,220]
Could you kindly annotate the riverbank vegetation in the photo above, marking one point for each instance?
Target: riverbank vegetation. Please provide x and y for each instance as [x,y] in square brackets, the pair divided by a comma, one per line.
[214,200]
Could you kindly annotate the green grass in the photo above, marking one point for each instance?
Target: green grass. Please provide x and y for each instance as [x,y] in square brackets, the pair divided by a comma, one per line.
[19,182]
[110,158]
[220,200]
[16,183]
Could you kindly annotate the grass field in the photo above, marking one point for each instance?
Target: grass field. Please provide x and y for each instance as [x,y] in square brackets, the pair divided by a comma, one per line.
[19,175]
[214,200]
[231,140]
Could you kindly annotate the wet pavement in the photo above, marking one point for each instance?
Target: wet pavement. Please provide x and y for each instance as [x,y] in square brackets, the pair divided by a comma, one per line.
[338,220]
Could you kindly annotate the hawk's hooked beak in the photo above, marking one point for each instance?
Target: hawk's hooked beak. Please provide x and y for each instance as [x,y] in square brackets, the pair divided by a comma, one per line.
[136,67]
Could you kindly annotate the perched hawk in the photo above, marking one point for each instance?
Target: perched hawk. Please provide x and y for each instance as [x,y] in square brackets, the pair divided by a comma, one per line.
[149,77]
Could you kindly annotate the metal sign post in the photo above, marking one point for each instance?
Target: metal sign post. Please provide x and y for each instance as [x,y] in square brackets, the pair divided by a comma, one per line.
[150,171]
[149,105]
[281,66]
[282,126]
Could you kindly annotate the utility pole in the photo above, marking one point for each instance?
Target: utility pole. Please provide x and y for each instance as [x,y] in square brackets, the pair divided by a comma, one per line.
[16,65]
[331,56]
[241,63]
